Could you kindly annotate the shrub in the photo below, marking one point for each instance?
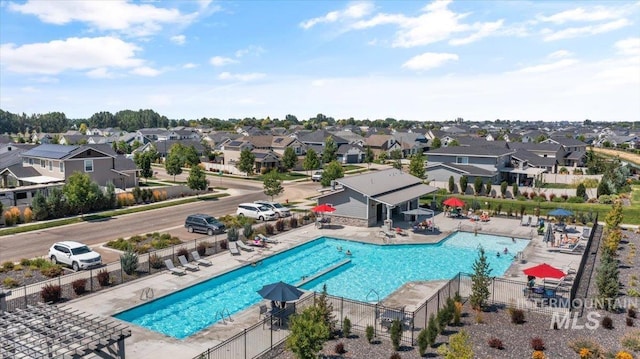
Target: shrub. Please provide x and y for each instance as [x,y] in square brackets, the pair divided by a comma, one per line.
[182,252]
[79,285]
[457,313]
[224,244]
[542,196]
[495,343]
[293,222]
[605,199]
[202,248]
[537,344]
[575,199]
[396,334]
[28,215]
[586,344]
[280,225]
[395,356]
[25,262]
[538,354]
[631,341]
[606,322]
[346,327]
[51,293]
[269,228]
[129,262]
[551,197]
[369,332]
[339,348]
[432,330]
[8,266]
[564,196]
[631,312]
[155,261]
[52,271]
[247,230]
[103,278]
[629,322]
[10,282]
[517,316]
[232,234]
[423,342]
[557,199]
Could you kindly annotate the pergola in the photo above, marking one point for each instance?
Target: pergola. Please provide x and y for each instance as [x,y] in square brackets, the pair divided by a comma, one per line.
[49,331]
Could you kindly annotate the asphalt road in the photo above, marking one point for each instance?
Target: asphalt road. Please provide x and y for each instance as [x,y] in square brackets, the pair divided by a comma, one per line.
[170,219]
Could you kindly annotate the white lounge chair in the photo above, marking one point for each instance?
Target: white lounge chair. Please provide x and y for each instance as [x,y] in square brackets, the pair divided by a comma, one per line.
[197,258]
[267,239]
[233,248]
[178,271]
[535,222]
[243,246]
[185,263]
[585,233]
[525,222]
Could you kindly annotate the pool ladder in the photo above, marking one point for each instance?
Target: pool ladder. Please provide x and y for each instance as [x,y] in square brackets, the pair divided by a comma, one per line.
[373,291]
[146,294]
[224,315]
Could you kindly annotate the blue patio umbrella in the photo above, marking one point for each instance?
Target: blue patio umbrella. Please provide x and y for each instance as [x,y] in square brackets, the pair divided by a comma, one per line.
[280,292]
[560,212]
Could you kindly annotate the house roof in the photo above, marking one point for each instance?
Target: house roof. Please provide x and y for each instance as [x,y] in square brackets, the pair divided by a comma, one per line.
[536,147]
[344,148]
[320,136]
[484,150]
[576,155]
[568,142]
[51,151]
[124,164]
[466,169]
[378,140]
[533,159]
[390,186]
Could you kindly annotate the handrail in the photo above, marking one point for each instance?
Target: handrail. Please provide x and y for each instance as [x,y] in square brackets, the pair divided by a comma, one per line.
[146,293]
[374,292]
[221,315]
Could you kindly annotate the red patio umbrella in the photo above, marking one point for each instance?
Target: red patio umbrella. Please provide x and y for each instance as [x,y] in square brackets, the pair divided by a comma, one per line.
[323,208]
[544,271]
[453,202]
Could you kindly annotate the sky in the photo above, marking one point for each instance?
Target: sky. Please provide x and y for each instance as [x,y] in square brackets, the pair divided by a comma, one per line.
[408,60]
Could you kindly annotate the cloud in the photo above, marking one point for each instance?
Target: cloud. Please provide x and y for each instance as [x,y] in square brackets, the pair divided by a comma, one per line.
[251,50]
[482,30]
[178,39]
[353,11]
[559,54]
[221,61]
[100,73]
[429,60]
[114,15]
[189,65]
[72,54]
[241,77]
[548,67]
[145,71]
[630,46]
[598,13]
[585,30]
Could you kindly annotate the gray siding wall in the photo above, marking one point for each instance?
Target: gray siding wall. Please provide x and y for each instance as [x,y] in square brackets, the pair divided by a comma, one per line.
[488,163]
[348,203]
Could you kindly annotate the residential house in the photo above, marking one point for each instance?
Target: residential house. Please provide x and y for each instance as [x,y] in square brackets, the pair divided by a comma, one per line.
[411,143]
[350,153]
[164,146]
[73,139]
[382,144]
[146,135]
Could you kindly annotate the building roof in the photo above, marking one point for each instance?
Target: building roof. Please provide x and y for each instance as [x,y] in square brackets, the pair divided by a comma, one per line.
[51,151]
[466,169]
[536,147]
[477,151]
[567,141]
[533,159]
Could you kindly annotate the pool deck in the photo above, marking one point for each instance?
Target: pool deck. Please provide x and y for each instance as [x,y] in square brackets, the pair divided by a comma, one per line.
[144,343]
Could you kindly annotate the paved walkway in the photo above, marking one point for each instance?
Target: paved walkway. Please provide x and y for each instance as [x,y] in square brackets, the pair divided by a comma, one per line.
[147,344]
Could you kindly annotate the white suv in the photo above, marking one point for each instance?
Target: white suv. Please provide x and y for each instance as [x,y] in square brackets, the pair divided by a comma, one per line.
[317,176]
[280,210]
[74,254]
[257,211]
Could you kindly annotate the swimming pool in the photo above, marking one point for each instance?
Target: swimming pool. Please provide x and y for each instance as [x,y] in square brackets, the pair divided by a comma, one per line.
[382,268]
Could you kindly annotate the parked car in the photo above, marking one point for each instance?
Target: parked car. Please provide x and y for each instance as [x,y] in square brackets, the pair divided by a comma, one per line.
[203,223]
[257,211]
[74,254]
[280,210]
[317,176]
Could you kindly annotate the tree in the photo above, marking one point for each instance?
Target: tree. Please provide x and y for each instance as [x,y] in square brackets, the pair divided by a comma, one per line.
[459,347]
[453,143]
[39,207]
[289,158]
[416,165]
[197,179]
[432,330]
[488,188]
[503,188]
[173,164]
[190,156]
[368,156]
[382,157]
[330,150]
[57,204]
[143,161]
[477,185]
[464,182]
[581,191]
[397,164]
[452,184]
[308,332]
[436,143]
[396,154]
[332,171]
[272,184]
[79,192]
[607,280]
[480,281]
[514,189]
[603,188]
[311,161]
[246,162]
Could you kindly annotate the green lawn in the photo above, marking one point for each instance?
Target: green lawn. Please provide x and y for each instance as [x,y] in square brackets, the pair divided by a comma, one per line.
[635,195]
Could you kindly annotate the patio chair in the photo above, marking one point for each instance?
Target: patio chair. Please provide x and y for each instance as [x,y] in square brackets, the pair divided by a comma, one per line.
[185,263]
[199,260]
[535,222]
[525,221]
[585,233]
[233,248]
[266,239]
[243,246]
[400,232]
[177,271]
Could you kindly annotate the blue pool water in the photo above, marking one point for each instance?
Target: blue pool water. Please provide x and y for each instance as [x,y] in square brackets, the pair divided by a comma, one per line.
[381,268]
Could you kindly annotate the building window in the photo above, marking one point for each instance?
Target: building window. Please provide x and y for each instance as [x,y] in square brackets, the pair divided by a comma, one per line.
[462,160]
[61,167]
[88,165]
[31,161]
[43,163]
[50,165]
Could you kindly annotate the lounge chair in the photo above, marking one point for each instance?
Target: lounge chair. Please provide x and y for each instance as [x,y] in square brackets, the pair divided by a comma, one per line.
[196,257]
[177,271]
[526,223]
[585,233]
[535,222]
[266,239]
[233,248]
[400,232]
[571,248]
[185,263]
[243,246]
